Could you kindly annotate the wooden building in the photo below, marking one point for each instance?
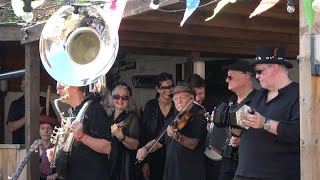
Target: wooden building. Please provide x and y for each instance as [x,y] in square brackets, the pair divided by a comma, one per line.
[230,34]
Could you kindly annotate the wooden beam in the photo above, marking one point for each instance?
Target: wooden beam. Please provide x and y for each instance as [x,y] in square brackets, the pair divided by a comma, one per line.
[202,44]
[309,103]
[32,33]
[196,40]
[10,32]
[32,99]
[204,31]
[223,21]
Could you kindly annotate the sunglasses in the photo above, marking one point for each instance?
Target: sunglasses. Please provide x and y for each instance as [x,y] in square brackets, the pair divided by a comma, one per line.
[117,97]
[259,71]
[166,87]
[229,77]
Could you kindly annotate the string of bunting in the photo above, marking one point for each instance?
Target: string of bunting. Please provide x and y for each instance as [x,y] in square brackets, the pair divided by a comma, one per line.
[192,5]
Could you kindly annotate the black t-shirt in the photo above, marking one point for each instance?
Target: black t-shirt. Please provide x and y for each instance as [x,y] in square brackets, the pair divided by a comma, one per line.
[229,164]
[265,155]
[85,163]
[17,111]
[183,163]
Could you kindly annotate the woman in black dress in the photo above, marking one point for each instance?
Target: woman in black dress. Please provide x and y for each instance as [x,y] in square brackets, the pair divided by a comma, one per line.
[125,131]
[156,112]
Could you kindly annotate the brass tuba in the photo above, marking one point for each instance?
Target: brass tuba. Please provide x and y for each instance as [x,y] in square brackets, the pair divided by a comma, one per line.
[78,45]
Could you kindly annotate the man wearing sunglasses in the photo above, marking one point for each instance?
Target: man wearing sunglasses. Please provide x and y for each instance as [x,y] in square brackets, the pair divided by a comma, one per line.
[89,155]
[240,82]
[269,149]
[184,147]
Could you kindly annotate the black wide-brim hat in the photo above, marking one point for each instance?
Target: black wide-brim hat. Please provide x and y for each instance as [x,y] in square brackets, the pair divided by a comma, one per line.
[240,65]
[271,55]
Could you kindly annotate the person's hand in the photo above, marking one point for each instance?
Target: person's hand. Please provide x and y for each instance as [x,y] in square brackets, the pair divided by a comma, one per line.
[234,141]
[172,132]
[77,129]
[141,153]
[52,177]
[117,131]
[255,120]
[146,171]
[50,154]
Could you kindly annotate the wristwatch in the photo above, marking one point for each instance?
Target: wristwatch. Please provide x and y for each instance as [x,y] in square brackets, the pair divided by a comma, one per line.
[266,125]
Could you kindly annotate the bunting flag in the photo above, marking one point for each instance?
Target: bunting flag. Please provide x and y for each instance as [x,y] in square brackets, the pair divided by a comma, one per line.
[115,11]
[309,13]
[263,6]
[191,7]
[220,5]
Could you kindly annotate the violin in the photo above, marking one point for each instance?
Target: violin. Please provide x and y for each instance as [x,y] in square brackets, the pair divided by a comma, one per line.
[181,120]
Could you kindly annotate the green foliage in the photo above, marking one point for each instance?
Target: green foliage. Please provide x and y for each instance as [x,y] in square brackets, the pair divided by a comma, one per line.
[6,12]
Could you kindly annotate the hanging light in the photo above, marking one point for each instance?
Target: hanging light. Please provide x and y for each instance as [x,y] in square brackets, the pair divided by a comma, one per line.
[316,5]
[22,8]
[290,6]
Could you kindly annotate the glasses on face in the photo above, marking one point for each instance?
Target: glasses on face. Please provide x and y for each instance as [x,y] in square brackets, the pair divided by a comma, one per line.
[181,97]
[60,87]
[166,87]
[259,71]
[117,97]
[231,76]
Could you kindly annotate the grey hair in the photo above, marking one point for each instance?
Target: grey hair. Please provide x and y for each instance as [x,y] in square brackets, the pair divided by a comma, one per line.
[131,104]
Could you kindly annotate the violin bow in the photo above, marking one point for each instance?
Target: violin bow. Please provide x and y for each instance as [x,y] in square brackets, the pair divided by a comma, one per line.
[206,114]
[165,130]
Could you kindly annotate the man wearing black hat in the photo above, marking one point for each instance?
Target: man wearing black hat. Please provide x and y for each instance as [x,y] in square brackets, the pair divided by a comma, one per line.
[269,149]
[184,145]
[239,79]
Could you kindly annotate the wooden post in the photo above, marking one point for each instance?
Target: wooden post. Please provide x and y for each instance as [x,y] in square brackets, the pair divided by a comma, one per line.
[309,105]
[32,99]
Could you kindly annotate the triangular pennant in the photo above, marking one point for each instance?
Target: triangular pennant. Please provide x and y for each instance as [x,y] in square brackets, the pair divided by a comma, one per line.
[115,11]
[191,7]
[309,13]
[263,6]
[220,5]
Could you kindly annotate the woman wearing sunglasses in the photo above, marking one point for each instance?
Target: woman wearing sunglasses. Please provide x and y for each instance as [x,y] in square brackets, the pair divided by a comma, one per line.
[125,131]
[156,111]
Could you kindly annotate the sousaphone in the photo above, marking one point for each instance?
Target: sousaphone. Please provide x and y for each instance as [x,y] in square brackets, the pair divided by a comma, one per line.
[78,44]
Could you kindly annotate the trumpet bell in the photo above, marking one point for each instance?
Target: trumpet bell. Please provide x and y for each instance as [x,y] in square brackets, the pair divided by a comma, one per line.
[78,45]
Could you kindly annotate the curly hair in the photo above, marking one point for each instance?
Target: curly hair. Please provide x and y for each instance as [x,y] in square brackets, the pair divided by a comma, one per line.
[163,77]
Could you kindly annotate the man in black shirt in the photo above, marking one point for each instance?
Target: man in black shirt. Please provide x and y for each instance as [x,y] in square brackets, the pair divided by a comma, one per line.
[239,79]
[269,149]
[184,147]
[16,116]
[89,155]
[196,83]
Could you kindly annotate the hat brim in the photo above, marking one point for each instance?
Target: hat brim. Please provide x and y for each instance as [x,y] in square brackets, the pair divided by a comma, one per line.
[286,63]
[187,91]
[49,120]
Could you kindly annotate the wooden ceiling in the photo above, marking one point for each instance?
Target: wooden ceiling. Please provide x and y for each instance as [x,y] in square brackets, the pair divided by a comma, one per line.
[230,34]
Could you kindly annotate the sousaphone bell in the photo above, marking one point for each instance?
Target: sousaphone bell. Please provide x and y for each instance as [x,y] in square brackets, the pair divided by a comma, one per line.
[78,44]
